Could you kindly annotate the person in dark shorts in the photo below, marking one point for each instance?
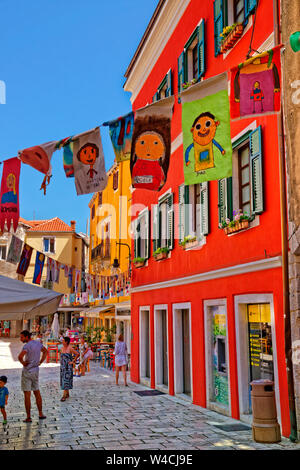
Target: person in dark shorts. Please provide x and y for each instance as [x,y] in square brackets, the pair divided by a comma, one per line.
[3,397]
[30,358]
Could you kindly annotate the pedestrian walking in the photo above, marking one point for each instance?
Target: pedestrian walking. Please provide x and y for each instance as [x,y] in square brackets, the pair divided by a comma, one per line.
[30,358]
[121,358]
[83,348]
[66,367]
[88,354]
[3,397]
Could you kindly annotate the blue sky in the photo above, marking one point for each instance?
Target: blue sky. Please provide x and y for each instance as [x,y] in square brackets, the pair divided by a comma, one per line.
[63,63]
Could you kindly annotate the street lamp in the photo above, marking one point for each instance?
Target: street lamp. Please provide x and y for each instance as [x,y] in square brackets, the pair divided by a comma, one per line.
[116,263]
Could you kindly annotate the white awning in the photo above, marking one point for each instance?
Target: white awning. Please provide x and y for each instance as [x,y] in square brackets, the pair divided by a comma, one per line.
[21,301]
[94,311]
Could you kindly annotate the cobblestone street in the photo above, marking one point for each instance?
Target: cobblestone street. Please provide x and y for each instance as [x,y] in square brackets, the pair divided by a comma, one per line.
[101,415]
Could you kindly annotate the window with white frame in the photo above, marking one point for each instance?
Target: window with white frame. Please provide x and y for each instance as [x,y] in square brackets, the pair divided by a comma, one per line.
[244,190]
[3,252]
[229,12]
[49,245]
[191,62]
[163,222]
[165,89]
[193,211]
[141,235]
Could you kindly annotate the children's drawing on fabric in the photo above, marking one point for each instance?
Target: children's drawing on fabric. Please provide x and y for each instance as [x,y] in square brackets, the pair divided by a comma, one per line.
[206,138]
[121,131]
[70,277]
[14,252]
[50,270]
[88,162]
[39,157]
[9,194]
[255,85]
[39,266]
[151,146]
[24,260]
[204,131]
[67,146]
[57,271]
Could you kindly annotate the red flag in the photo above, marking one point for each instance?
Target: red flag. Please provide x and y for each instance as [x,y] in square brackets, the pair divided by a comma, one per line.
[9,194]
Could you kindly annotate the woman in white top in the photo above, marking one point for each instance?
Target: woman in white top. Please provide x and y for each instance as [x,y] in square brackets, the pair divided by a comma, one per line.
[121,359]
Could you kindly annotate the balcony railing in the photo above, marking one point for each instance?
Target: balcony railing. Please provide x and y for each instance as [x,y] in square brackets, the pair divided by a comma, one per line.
[101,251]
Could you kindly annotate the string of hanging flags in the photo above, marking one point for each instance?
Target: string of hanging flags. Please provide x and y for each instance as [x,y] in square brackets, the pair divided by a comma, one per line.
[144,136]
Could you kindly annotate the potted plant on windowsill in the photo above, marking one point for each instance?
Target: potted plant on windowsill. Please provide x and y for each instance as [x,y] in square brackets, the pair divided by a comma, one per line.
[186,85]
[139,262]
[230,35]
[161,253]
[189,242]
[240,222]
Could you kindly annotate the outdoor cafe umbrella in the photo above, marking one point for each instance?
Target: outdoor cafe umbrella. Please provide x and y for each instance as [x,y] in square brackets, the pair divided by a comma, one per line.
[21,301]
[55,326]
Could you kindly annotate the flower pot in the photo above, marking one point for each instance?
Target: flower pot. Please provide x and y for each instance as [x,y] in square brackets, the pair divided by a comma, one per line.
[245,224]
[232,38]
[190,244]
[139,264]
[160,256]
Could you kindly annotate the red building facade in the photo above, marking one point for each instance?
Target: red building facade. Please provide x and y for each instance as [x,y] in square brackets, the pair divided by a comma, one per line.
[207,319]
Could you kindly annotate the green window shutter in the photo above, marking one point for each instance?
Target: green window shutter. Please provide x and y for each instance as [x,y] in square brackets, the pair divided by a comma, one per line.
[181,191]
[170,222]
[256,170]
[225,209]
[156,97]
[169,90]
[181,72]
[147,226]
[218,24]
[186,229]
[155,227]
[204,220]
[222,210]
[249,8]
[201,49]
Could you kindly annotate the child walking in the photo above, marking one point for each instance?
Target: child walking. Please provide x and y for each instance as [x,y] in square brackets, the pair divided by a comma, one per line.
[3,397]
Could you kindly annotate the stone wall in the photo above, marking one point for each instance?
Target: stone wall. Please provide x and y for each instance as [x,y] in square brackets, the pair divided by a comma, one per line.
[290,23]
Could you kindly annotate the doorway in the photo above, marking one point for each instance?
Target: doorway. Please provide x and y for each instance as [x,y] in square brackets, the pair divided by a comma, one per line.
[145,344]
[182,349]
[161,346]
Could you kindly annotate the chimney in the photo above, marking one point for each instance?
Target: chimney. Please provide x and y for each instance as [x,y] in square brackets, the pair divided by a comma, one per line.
[73,225]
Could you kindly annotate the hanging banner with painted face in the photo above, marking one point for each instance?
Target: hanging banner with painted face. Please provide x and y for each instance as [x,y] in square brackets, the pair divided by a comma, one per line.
[151,145]
[50,270]
[9,194]
[39,157]
[38,269]
[88,162]
[14,252]
[120,131]
[206,131]
[24,260]
[255,85]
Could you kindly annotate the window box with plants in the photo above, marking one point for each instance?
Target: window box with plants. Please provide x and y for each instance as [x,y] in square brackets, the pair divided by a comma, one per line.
[230,35]
[139,262]
[240,222]
[188,242]
[161,253]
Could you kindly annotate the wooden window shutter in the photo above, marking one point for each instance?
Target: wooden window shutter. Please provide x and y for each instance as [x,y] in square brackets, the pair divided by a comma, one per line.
[181,192]
[219,23]
[155,227]
[204,219]
[155,97]
[170,221]
[186,211]
[169,90]
[115,180]
[181,71]
[249,7]
[201,49]
[255,139]
[147,233]
[225,199]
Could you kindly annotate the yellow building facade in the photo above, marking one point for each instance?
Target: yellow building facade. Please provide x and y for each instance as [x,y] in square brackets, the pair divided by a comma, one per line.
[110,248]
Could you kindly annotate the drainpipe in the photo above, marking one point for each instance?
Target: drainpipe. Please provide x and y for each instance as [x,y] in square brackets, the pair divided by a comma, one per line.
[284,241]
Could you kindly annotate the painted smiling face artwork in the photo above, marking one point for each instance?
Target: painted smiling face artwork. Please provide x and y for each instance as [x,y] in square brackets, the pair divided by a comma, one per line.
[204,130]
[150,146]
[88,155]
